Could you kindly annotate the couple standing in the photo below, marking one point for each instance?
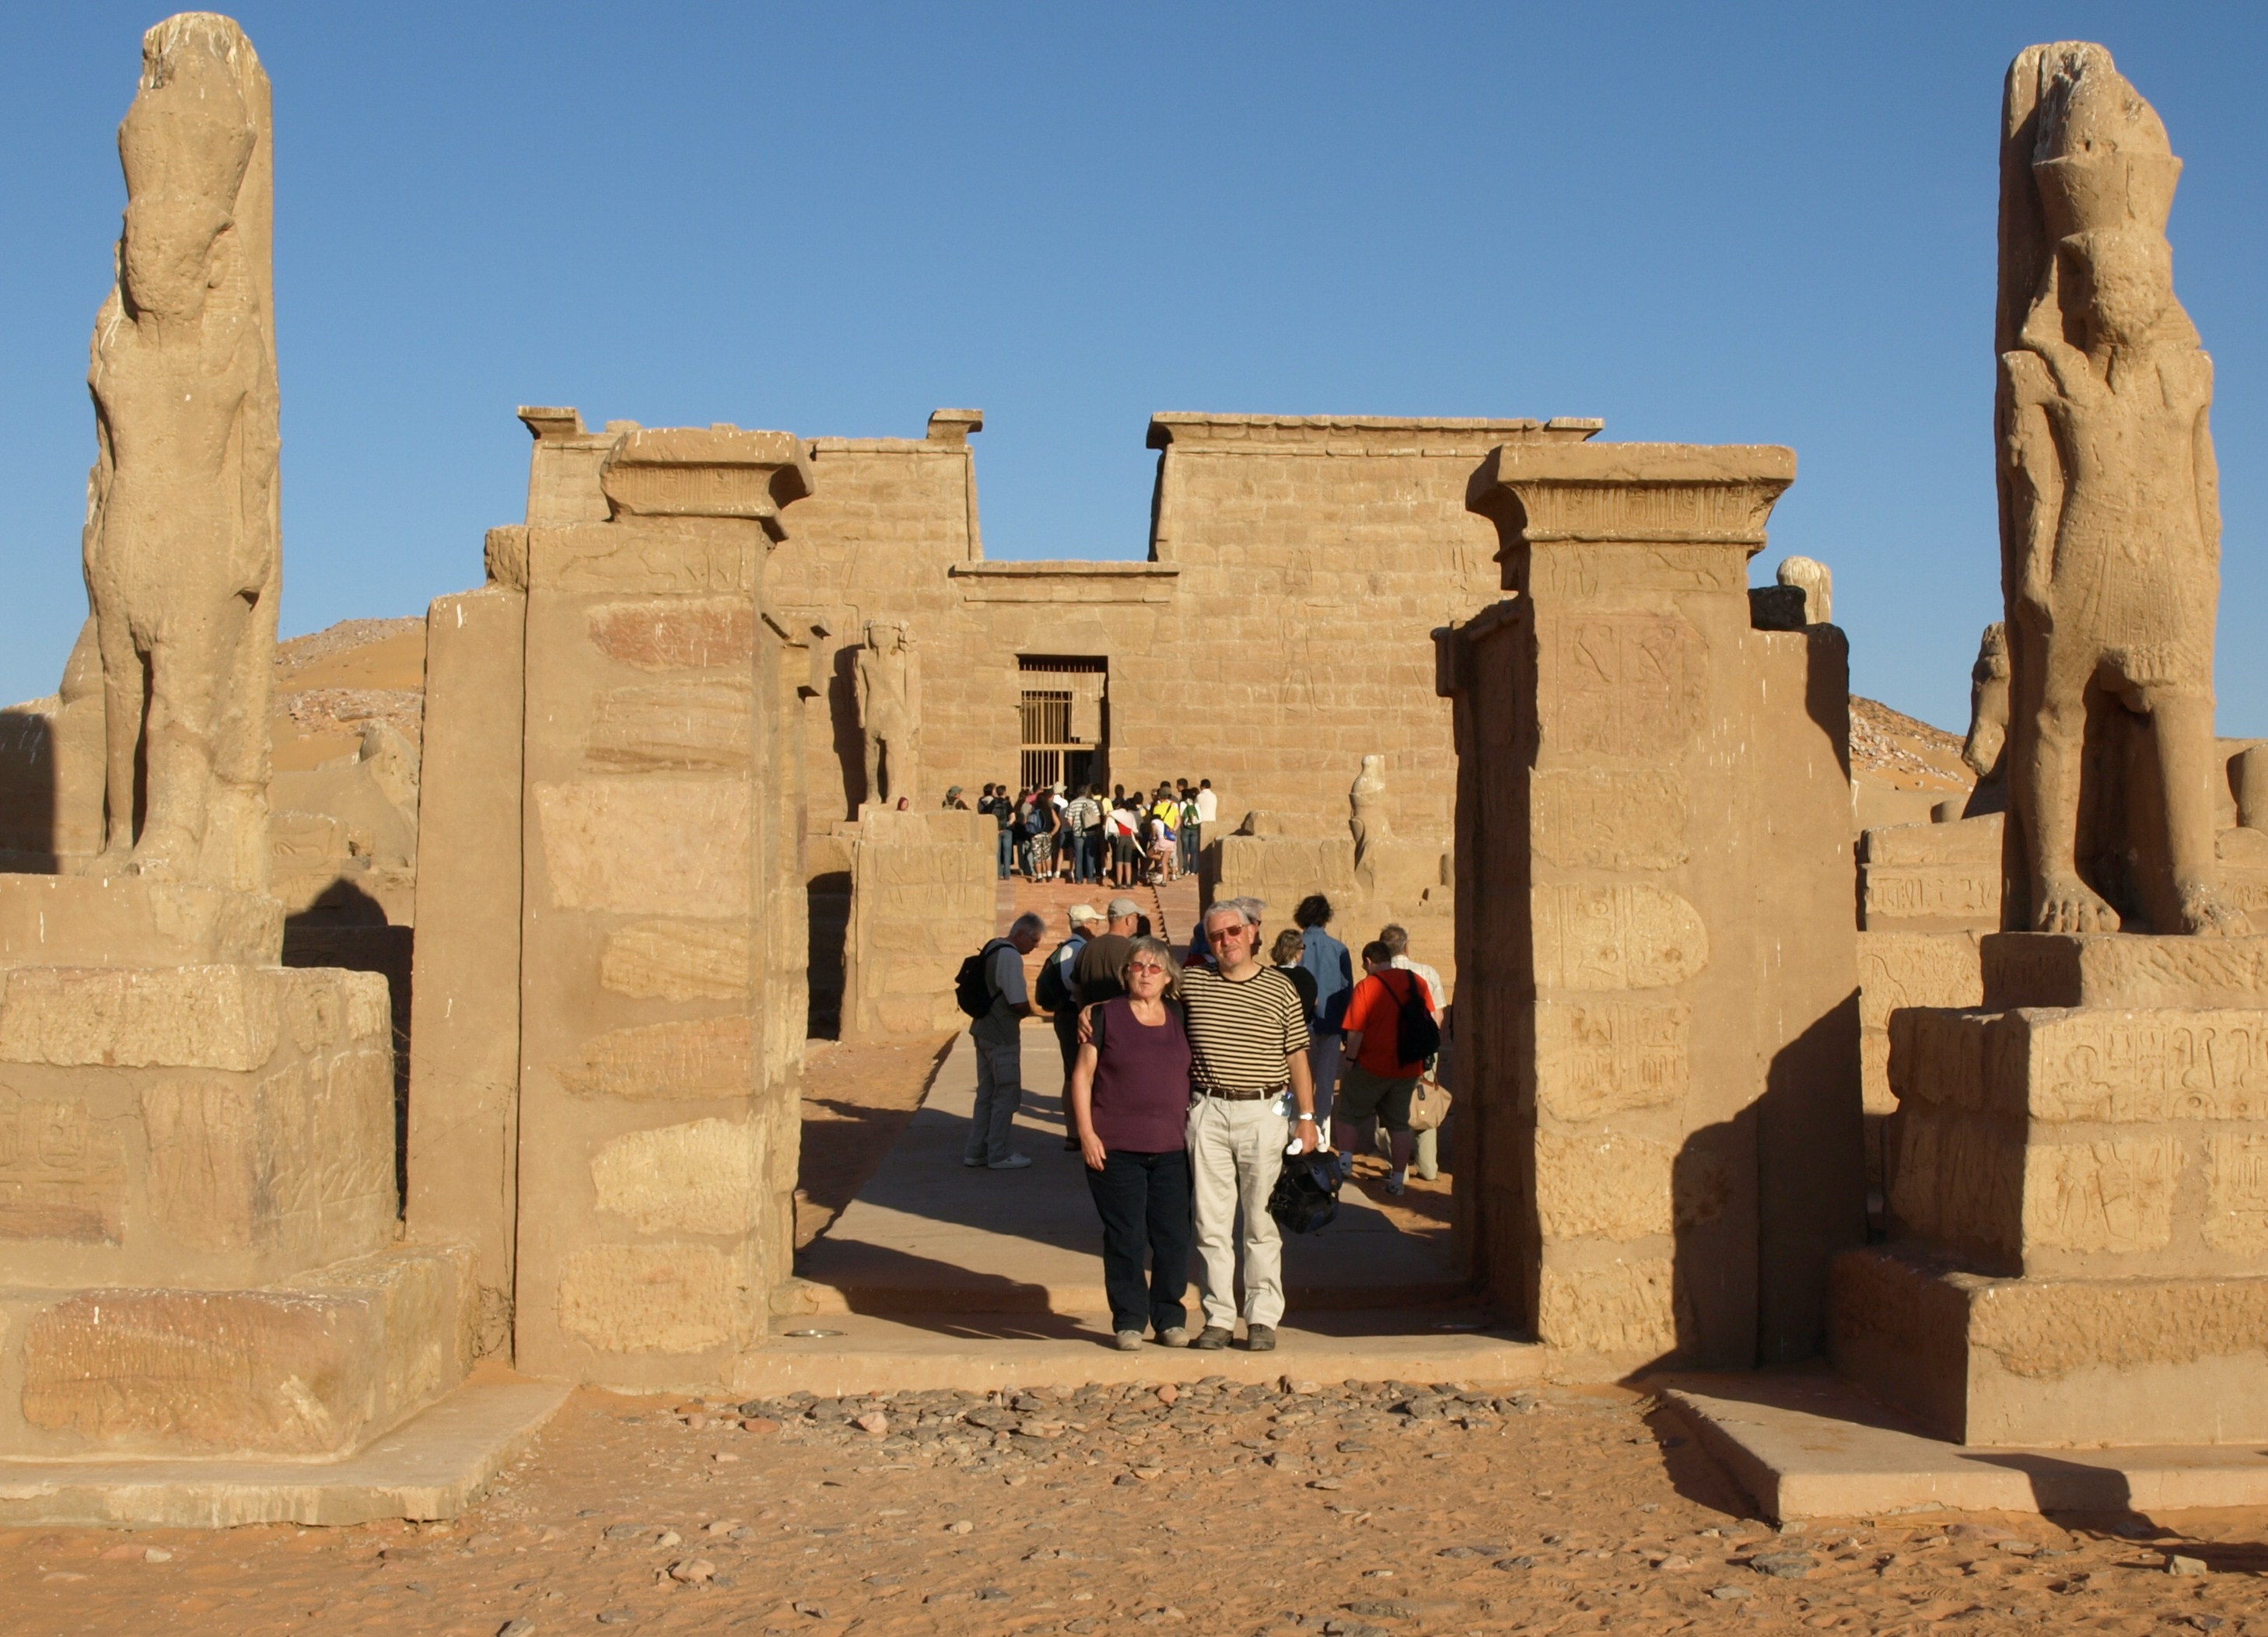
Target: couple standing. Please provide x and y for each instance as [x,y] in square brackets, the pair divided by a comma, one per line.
[1187,1092]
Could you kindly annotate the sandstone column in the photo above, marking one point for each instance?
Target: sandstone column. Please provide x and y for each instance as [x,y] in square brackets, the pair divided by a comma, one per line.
[1657,1027]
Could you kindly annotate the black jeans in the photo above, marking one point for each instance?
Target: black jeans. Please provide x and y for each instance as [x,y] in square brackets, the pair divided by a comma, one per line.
[1144,1200]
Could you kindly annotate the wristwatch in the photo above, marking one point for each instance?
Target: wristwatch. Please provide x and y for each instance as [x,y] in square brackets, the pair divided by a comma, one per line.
[1310,1118]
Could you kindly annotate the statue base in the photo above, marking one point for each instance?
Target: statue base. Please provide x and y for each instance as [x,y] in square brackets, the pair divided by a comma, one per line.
[2078,1195]
[125,920]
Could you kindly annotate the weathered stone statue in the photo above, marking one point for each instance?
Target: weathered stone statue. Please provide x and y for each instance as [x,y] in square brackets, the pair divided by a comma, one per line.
[182,546]
[2110,519]
[1985,750]
[884,675]
[1816,581]
[1369,821]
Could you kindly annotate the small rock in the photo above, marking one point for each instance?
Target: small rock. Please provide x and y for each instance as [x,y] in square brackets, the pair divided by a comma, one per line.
[1675,1564]
[809,1611]
[616,1617]
[1523,1561]
[624,1531]
[721,1526]
[2021,1548]
[959,1526]
[1149,1473]
[521,1628]
[2177,1564]
[157,1555]
[1729,1594]
[1126,1480]
[874,1423]
[1169,1394]
[1383,1609]
[1325,1483]
[692,1571]
[724,1457]
[1784,1565]
[668,1538]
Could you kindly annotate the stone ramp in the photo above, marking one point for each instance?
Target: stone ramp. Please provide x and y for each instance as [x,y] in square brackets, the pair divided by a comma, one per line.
[928,1234]
[1808,1444]
[432,1466]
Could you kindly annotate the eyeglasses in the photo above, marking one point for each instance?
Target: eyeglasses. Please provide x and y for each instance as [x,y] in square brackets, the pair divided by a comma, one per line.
[1226,934]
[1146,966]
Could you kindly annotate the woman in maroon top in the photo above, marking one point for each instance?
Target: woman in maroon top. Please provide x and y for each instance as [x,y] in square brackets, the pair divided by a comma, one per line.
[1130,1103]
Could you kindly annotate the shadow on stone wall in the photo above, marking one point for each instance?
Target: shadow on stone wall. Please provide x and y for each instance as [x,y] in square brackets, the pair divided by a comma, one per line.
[346,927]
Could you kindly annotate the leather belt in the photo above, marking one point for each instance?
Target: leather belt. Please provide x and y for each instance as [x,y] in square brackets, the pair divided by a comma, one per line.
[1252,1095]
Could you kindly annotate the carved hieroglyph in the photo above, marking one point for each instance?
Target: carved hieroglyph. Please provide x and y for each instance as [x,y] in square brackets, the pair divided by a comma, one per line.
[183,554]
[2111,515]
[883,672]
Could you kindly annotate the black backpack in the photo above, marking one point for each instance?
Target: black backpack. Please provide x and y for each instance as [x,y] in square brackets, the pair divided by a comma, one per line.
[1416,1036]
[972,984]
[1052,993]
[1305,1196]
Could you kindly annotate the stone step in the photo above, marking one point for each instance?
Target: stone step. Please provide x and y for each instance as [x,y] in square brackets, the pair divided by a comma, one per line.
[434,1465]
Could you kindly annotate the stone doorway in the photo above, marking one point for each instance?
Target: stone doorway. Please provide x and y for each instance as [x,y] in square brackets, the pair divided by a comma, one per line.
[1063,715]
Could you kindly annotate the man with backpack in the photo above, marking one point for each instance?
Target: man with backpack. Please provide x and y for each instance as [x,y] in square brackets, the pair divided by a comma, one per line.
[989,988]
[1056,994]
[1390,1032]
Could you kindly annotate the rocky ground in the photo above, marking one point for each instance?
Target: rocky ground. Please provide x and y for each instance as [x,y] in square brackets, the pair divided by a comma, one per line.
[1342,1510]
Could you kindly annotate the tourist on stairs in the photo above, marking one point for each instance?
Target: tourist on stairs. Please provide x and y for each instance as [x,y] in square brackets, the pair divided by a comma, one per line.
[1129,1097]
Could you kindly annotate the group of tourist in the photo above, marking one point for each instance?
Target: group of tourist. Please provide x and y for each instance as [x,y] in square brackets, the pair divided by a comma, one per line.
[1188,1084]
[1061,833]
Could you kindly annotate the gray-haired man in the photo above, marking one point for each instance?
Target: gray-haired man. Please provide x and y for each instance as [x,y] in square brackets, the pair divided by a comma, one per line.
[1247,1033]
[999,1038]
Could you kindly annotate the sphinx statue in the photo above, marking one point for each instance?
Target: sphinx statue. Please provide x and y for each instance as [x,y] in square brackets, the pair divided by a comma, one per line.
[182,546]
[2109,518]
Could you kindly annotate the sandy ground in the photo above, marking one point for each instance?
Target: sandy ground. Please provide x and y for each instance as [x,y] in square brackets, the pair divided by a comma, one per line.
[1350,1512]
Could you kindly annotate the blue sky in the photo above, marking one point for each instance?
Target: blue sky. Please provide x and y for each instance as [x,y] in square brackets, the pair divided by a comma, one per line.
[1762,223]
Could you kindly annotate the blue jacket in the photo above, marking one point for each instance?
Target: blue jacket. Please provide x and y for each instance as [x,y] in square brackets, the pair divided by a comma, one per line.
[1327,958]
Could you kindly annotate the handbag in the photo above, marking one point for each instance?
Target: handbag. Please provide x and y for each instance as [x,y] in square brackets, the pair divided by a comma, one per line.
[1429,1105]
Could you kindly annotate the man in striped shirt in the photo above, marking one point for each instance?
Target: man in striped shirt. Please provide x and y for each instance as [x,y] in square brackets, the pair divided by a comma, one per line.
[1247,1033]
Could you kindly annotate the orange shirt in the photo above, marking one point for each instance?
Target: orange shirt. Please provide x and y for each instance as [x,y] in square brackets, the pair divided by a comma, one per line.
[1376,1010]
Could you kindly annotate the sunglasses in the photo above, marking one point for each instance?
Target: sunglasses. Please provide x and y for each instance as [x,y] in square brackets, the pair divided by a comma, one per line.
[1146,966]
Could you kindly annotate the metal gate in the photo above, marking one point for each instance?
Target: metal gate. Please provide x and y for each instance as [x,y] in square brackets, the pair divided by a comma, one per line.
[1064,710]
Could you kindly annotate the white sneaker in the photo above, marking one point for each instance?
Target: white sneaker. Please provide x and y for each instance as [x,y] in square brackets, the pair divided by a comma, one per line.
[972,1160]
[1017,1162]
[1396,1181]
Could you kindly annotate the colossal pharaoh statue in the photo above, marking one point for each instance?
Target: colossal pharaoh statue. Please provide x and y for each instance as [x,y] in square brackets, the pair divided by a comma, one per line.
[883,675]
[2109,520]
[182,548]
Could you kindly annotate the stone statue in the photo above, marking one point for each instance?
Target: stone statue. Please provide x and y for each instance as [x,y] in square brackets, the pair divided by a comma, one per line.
[1816,581]
[1370,822]
[182,548]
[2110,516]
[883,675]
[1986,748]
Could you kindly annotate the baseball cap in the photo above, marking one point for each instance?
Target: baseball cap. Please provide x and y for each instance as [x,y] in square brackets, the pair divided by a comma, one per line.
[1122,907]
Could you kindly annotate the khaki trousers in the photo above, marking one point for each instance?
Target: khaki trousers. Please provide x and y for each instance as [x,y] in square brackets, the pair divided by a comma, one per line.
[1236,1151]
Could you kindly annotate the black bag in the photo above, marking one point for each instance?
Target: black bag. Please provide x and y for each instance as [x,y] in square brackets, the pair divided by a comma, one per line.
[1416,1036]
[1052,992]
[972,984]
[1305,1197]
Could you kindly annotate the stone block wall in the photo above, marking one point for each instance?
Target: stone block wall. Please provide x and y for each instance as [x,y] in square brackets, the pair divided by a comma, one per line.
[1273,635]
[1658,1032]
[1409,884]
[923,891]
[616,738]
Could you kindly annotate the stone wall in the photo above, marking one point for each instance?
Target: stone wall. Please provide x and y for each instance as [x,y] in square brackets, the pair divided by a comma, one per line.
[1274,634]
[1658,1022]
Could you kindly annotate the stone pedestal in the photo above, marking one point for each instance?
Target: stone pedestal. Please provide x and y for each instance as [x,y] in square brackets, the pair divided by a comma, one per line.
[2078,1199]
[197,1205]
[923,894]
